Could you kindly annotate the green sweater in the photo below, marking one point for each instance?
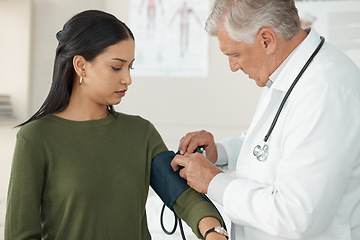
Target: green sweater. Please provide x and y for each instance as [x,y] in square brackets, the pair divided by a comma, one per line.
[88,180]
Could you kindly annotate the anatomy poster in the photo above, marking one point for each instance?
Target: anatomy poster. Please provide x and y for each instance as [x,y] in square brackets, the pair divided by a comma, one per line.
[338,21]
[170,37]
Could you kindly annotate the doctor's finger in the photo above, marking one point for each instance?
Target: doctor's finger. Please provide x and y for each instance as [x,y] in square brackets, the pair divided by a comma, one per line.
[178,161]
[192,140]
[182,173]
[185,141]
[202,138]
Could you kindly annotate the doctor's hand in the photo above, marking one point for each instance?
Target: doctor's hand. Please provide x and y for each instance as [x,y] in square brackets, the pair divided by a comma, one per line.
[198,171]
[192,140]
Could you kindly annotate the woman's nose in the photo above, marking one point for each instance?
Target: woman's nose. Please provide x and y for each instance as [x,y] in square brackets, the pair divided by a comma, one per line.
[126,79]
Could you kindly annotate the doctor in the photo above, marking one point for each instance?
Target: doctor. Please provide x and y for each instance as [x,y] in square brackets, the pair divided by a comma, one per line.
[298,166]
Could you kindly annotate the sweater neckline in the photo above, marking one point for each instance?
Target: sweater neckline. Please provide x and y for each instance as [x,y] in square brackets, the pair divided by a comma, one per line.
[90,123]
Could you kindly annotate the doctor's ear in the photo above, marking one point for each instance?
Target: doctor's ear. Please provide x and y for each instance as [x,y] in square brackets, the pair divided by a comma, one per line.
[268,40]
[79,64]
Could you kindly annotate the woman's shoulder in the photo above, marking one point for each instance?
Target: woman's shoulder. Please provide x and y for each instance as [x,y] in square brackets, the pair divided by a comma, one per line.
[35,126]
[135,122]
[133,119]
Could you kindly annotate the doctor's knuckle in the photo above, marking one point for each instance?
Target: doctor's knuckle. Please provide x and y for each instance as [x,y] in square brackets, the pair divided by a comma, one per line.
[189,135]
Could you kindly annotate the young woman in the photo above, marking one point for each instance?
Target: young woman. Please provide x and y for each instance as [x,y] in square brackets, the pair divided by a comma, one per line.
[81,170]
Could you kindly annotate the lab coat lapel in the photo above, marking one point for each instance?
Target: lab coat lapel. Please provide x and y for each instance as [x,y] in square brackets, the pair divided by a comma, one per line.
[270,101]
[298,59]
[261,122]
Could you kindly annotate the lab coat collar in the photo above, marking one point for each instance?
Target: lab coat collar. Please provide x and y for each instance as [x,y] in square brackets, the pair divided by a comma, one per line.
[284,77]
[296,61]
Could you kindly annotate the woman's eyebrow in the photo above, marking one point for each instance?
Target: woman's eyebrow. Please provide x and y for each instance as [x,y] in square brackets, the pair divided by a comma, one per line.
[119,59]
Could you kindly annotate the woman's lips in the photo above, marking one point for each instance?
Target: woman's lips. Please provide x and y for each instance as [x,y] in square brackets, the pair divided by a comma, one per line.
[121,93]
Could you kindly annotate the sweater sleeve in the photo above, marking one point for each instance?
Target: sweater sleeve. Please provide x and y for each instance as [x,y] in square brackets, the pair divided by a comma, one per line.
[156,143]
[191,207]
[24,195]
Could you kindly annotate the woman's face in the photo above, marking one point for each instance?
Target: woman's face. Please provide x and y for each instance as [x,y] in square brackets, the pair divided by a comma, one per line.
[108,75]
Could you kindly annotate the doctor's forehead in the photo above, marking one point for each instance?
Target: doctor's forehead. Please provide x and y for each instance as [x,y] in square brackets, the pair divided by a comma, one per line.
[226,44]
[230,47]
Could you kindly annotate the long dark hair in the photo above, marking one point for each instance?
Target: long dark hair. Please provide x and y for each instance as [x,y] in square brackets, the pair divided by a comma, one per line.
[86,34]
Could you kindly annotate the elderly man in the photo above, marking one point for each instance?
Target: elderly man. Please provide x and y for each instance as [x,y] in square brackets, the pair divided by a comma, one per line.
[298,165]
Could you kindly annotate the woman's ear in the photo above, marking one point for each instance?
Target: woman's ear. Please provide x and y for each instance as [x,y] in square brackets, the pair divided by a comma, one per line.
[268,40]
[79,63]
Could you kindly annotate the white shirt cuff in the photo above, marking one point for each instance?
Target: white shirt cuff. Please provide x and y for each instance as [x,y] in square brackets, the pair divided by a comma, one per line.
[217,187]
[222,155]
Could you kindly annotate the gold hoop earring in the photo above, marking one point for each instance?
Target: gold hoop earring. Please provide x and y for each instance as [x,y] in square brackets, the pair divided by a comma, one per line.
[80,81]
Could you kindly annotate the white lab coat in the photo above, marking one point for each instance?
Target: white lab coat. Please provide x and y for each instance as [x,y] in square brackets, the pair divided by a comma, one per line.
[309,186]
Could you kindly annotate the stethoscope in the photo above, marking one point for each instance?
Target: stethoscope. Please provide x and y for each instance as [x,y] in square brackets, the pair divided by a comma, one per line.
[261,153]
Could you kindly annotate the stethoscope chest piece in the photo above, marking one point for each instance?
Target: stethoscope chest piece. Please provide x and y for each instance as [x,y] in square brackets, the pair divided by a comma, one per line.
[261,153]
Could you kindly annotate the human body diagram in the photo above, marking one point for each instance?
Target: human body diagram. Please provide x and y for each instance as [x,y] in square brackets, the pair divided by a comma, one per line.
[184,12]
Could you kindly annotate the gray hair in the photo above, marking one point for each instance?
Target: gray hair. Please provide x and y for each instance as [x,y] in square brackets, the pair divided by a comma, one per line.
[243,19]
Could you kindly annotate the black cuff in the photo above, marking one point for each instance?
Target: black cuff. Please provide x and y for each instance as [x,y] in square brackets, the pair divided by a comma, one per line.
[164,180]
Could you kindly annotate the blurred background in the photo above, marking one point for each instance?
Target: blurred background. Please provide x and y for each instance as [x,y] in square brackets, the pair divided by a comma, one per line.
[181,82]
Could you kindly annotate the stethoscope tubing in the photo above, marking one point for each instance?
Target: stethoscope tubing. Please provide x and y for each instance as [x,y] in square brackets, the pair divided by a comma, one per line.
[292,87]
[272,126]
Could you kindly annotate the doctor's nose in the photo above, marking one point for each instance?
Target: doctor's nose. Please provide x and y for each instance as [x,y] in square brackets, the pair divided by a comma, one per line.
[234,65]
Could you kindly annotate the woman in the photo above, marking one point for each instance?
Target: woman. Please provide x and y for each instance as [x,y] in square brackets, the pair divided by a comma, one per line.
[81,170]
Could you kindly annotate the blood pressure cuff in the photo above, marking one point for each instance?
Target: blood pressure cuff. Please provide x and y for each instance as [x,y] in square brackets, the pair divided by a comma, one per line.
[164,180]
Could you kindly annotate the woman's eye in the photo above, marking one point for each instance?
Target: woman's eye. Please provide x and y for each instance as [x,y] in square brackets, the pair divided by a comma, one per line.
[118,69]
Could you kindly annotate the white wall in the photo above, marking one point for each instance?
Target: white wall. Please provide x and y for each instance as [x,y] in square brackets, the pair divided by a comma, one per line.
[15,27]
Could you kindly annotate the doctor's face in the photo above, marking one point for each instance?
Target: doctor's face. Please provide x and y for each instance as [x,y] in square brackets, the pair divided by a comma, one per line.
[248,58]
